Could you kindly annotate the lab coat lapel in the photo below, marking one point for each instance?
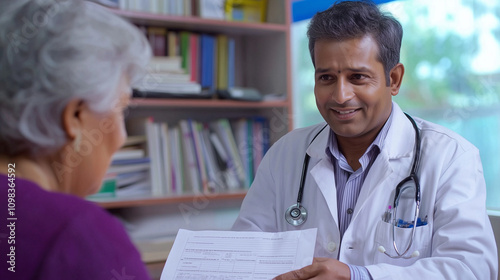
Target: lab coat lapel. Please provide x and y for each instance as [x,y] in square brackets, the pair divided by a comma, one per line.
[396,154]
[322,171]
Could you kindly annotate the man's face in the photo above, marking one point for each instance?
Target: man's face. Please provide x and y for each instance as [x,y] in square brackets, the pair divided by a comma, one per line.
[350,87]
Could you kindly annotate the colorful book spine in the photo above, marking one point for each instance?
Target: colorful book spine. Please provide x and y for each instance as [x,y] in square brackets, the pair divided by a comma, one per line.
[193,183]
[194,59]
[185,52]
[207,61]
[157,40]
[231,68]
[222,63]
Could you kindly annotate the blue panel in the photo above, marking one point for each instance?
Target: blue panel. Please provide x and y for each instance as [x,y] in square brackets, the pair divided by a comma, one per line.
[306,9]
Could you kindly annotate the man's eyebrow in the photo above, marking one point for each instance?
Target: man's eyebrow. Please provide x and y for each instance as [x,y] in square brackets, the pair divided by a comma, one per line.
[353,69]
[322,70]
[360,69]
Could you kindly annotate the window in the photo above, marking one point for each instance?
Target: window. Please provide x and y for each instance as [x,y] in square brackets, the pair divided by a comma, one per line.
[451,53]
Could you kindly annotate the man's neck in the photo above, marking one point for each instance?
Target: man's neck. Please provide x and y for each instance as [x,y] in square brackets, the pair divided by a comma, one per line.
[352,151]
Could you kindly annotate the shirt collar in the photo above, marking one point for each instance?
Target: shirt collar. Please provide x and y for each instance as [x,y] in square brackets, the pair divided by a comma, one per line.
[333,150]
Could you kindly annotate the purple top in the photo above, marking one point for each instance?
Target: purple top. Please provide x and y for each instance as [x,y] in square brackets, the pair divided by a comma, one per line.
[48,235]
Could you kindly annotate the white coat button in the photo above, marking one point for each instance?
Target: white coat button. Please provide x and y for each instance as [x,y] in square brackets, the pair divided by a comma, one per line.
[332,246]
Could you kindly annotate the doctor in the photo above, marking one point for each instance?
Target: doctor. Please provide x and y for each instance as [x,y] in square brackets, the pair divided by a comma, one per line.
[365,149]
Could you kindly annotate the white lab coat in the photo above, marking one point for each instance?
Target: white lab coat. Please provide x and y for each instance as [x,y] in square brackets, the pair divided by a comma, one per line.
[457,242]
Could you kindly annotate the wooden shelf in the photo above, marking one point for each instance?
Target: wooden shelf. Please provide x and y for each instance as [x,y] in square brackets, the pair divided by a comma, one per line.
[110,203]
[201,24]
[205,103]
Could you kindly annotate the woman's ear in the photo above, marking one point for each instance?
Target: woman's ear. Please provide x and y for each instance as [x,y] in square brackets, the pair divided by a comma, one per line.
[71,118]
[396,76]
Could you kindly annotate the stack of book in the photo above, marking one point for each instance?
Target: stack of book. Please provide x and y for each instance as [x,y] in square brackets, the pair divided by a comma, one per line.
[246,10]
[129,172]
[188,64]
[131,168]
[234,10]
[212,9]
[166,77]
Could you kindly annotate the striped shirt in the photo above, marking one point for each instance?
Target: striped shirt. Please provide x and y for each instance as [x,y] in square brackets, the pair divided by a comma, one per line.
[348,181]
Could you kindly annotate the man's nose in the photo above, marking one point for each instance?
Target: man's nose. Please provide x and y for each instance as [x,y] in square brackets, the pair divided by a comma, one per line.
[342,91]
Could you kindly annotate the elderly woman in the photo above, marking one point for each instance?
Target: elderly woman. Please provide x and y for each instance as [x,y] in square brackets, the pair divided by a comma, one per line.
[66,69]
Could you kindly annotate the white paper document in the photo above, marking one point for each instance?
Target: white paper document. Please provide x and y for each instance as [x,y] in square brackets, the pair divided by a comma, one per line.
[237,254]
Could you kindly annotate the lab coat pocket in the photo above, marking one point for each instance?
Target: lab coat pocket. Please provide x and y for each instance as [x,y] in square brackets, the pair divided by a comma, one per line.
[420,247]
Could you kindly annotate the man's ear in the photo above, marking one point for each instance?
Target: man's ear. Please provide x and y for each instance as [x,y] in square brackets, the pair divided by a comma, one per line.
[396,78]
[71,118]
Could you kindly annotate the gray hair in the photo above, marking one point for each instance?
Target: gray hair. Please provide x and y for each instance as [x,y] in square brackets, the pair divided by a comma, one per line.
[355,19]
[55,51]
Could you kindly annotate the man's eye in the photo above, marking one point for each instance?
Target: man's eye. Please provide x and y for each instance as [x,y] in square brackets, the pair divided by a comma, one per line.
[325,77]
[357,76]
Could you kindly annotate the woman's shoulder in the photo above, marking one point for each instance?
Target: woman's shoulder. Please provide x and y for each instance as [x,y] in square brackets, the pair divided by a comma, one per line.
[55,230]
[53,212]
[59,206]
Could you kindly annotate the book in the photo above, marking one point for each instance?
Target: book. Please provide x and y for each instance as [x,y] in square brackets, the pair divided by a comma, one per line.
[198,149]
[166,78]
[215,177]
[243,129]
[138,189]
[188,10]
[129,178]
[117,169]
[173,44]
[156,37]
[246,10]
[152,132]
[125,153]
[128,161]
[193,183]
[184,49]
[194,57]
[134,140]
[231,68]
[207,61]
[222,63]
[260,140]
[168,89]
[166,171]
[177,160]
[212,9]
[170,64]
[235,164]
[230,177]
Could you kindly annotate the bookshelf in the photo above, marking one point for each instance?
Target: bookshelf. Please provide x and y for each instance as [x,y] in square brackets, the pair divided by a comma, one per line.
[262,61]
[206,103]
[201,24]
[149,201]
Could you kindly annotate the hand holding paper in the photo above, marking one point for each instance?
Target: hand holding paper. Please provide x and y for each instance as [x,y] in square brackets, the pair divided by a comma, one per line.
[238,255]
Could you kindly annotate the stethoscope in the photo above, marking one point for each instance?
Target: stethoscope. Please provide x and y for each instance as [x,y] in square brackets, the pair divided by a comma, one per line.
[296,214]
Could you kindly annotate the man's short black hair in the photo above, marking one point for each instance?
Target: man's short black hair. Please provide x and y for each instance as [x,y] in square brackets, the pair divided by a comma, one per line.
[355,19]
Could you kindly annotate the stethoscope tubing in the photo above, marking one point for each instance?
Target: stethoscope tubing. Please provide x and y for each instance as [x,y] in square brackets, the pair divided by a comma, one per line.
[295,219]
[296,214]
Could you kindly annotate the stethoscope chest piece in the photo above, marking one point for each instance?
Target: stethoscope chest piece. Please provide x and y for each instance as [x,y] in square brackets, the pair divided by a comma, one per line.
[296,214]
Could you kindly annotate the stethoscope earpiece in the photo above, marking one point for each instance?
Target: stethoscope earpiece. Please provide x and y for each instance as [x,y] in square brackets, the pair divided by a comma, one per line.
[296,214]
